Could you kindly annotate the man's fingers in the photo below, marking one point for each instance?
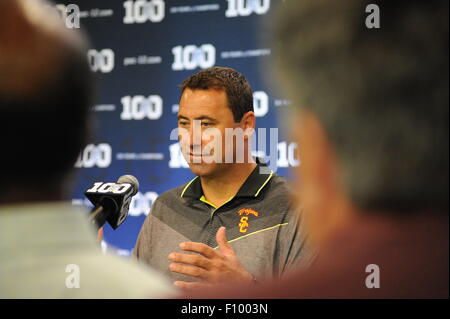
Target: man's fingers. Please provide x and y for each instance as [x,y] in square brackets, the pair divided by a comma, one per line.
[190,285]
[196,260]
[200,248]
[222,240]
[192,271]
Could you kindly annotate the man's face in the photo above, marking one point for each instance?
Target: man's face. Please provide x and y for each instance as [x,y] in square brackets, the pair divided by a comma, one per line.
[199,112]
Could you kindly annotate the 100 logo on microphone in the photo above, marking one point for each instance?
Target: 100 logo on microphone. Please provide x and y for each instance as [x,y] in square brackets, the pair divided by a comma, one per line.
[112,188]
[118,193]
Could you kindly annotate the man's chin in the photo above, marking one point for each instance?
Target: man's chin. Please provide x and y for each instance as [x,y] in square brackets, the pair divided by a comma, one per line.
[201,169]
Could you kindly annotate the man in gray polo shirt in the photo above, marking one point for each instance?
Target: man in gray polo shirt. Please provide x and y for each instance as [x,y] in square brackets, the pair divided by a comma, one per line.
[183,235]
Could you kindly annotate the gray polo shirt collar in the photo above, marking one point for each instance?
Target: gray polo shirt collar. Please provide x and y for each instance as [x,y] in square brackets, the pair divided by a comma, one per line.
[252,186]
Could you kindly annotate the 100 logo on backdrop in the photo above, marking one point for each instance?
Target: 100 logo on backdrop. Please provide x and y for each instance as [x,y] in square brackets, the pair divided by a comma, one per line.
[101,61]
[242,8]
[95,155]
[190,57]
[139,107]
[141,11]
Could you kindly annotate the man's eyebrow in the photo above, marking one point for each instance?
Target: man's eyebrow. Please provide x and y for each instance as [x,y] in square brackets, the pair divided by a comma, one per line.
[205,117]
[201,117]
[181,117]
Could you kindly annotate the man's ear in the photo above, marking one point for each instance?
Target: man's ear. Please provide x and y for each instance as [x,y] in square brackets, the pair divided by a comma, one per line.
[316,152]
[247,124]
[321,193]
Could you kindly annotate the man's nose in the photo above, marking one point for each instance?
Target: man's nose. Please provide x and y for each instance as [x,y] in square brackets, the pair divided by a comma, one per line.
[184,136]
[195,133]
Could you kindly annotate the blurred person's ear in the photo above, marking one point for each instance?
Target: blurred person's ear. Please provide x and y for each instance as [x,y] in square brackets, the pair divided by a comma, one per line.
[320,191]
[100,235]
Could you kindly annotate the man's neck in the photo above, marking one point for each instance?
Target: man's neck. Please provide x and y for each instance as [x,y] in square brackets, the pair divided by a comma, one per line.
[219,189]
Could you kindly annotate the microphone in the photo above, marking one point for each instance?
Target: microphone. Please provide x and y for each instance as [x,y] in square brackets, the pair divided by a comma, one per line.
[112,200]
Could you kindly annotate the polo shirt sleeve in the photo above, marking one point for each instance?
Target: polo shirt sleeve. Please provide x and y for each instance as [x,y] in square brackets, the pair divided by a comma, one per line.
[293,249]
[143,248]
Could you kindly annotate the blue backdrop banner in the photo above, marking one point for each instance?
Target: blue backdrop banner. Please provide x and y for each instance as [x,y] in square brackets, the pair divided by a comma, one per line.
[141,51]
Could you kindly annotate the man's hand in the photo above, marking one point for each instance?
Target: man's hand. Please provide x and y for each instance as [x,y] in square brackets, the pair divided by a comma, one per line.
[211,266]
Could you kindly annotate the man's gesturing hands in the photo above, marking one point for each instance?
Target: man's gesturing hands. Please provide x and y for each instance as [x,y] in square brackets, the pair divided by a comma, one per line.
[209,265]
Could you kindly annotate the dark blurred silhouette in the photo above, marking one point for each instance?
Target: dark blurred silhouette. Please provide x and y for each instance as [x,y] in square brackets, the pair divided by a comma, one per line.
[47,249]
[371,119]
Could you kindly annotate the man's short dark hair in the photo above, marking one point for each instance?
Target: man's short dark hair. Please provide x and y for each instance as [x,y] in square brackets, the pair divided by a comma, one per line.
[381,94]
[45,96]
[238,90]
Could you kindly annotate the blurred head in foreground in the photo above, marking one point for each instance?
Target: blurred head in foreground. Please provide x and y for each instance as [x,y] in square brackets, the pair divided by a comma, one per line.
[373,109]
[371,119]
[45,92]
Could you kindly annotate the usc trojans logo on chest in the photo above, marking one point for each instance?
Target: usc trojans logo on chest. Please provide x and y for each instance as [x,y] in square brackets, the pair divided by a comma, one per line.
[244,221]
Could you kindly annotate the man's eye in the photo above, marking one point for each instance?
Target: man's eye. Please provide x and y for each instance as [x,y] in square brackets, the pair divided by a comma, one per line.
[183,123]
[206,124]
